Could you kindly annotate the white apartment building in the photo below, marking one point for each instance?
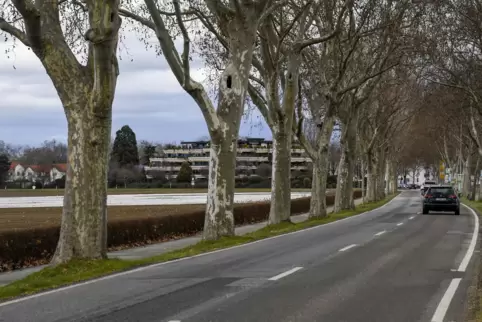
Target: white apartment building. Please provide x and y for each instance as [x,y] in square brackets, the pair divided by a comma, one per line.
[252,152]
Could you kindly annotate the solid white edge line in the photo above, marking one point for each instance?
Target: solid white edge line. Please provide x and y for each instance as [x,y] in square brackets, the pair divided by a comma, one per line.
[347,247]
[444,303]
[400,223]
[380,233]
[22,299]
[280,276]
[473,242]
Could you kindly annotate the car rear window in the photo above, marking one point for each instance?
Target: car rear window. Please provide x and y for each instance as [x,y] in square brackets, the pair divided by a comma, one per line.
[442,191]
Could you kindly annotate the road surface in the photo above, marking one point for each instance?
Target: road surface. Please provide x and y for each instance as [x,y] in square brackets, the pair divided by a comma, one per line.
[391,264]
[140,199]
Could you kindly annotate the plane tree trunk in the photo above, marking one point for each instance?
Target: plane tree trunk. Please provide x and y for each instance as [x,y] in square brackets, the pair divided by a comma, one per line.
[320,163]
[344,188]
[238,25]
[86,92]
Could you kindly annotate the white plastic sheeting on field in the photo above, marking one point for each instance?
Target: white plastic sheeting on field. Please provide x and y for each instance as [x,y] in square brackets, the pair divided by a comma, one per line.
[139,199]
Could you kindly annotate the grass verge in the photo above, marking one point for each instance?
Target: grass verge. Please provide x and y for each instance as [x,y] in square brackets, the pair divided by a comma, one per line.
[474,307]
[81,270]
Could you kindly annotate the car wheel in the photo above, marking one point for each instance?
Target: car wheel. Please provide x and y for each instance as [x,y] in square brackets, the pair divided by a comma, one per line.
[457,212]
[424,211]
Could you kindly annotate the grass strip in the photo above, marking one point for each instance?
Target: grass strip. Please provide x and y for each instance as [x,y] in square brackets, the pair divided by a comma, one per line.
[475,290]
[77,271]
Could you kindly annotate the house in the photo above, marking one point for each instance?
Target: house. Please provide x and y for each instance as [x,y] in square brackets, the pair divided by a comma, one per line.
[31,173]
[58,171]
[16,171]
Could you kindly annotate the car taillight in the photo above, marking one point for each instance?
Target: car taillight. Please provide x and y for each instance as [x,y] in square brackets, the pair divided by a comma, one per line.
[428,196]
[453,197]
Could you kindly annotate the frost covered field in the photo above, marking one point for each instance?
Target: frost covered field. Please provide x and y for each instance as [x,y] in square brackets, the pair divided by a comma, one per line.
[139,199]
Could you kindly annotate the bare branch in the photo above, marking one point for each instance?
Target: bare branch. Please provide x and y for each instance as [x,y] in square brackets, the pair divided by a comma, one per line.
[143,21]
[185,53]
[361,81]
[15,32]
[331,35]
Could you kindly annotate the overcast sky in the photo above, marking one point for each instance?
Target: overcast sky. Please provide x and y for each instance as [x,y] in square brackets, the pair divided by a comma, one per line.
[148,99]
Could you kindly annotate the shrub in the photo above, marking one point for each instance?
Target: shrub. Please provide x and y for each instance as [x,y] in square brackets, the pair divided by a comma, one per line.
[32,247]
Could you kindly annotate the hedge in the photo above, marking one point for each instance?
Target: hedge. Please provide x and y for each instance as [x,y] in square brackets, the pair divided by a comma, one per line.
[36,246]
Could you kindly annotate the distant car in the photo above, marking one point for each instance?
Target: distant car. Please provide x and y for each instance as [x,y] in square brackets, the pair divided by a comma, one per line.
[441,198]
[424,187]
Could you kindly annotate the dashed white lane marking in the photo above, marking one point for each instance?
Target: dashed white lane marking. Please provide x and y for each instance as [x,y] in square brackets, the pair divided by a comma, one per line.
[400,223]
[411,218]
[444,304]
[347,247]
[175,321]
[380,233]
[473,242]
[279,276]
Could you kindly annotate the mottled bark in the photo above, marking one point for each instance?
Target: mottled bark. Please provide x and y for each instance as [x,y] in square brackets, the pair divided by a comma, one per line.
[233,85]
[363,186]
[381,174]
[392,177]
[475,174]
[219,218]
[372,177]
[344,188]
[280,209]
[86,93]
[83,232]
[281,124]
[320,169]
[466,173]
[318,188]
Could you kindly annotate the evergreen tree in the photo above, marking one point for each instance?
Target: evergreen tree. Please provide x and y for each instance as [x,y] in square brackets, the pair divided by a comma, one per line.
[4,167]
[124,149]
[185,173]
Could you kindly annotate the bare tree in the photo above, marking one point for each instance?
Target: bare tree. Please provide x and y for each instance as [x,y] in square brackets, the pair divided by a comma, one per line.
[374,45]
[283,37]
[235,27]
[50,152]
[384,113]
[50,30]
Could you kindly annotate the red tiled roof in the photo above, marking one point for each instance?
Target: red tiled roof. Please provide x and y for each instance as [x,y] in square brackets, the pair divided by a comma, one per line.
[41,168]
[13,164]
[62,167]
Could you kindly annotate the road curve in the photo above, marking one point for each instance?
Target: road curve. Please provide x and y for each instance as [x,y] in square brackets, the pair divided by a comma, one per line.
[392,264]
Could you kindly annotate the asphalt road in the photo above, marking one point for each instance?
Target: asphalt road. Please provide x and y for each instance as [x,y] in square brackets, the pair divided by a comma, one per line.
[392,264]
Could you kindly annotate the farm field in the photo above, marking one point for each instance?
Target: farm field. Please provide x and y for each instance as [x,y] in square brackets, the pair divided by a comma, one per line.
[120,191]
[12,219]
[139,199]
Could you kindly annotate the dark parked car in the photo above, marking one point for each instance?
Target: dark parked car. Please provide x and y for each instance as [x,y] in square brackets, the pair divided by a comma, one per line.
[441,198]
